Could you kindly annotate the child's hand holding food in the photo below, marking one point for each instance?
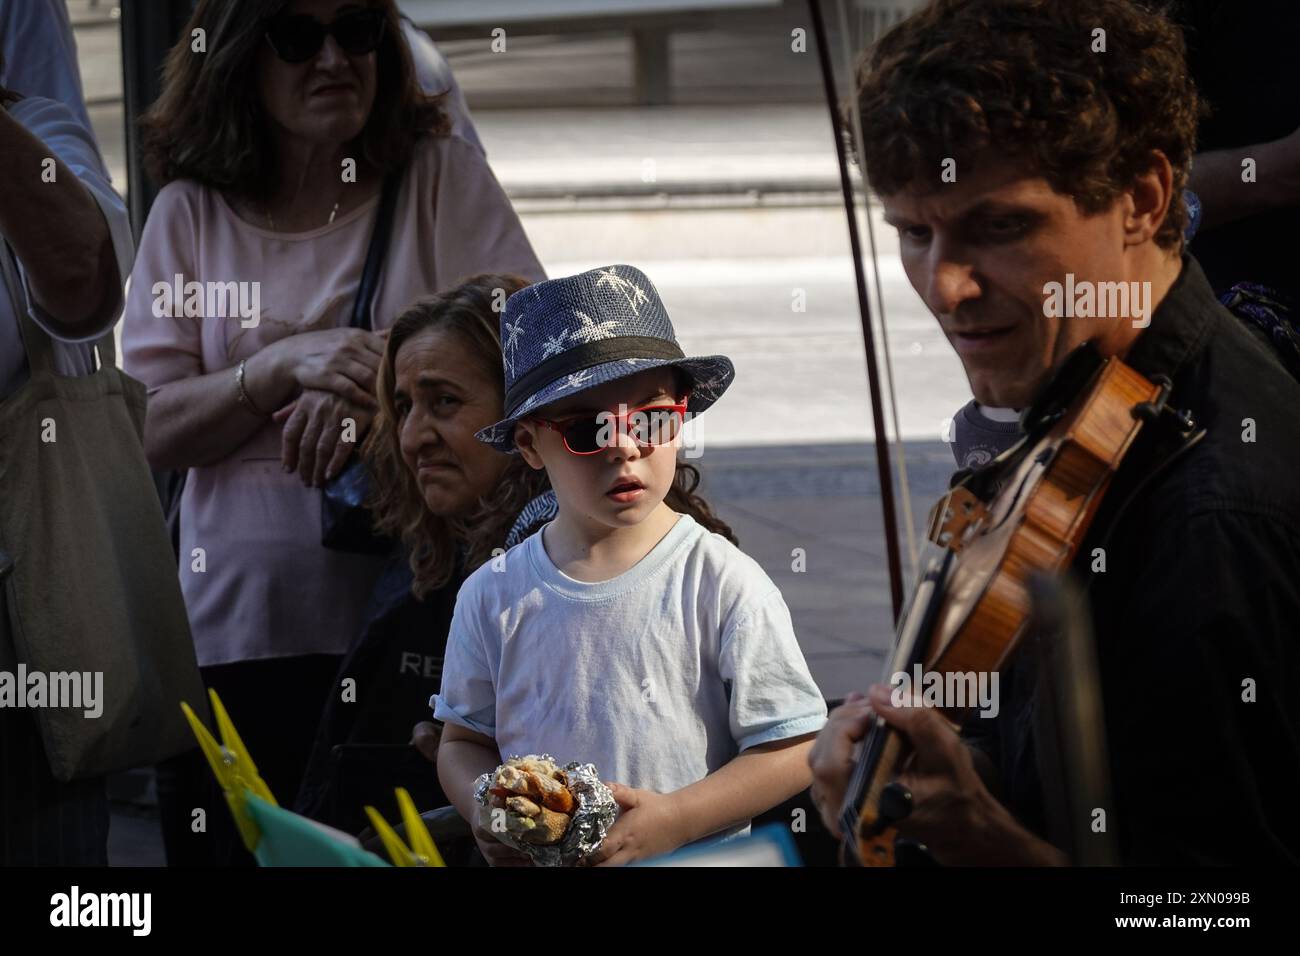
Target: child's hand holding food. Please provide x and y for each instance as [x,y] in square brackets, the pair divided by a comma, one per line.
[649,825]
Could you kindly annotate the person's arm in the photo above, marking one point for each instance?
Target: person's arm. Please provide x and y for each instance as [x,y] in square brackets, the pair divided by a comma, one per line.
[752,783]
[57,232]
[199,420]
[463,756]
[652,824]
[466,703]
[1216,180]
[775,708]
[467,700]
[40,55]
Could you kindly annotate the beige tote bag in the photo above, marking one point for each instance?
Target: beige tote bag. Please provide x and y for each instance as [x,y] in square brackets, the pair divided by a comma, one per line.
[93,589]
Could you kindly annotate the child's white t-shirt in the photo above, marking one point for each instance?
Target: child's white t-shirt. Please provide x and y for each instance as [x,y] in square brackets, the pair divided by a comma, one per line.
[659,676]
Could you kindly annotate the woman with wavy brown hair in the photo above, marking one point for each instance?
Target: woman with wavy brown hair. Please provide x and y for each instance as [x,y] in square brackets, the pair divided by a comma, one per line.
[281,125]
[447,497]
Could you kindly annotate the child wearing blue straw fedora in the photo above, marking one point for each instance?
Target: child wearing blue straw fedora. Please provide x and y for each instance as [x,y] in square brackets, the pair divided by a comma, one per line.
[624,633]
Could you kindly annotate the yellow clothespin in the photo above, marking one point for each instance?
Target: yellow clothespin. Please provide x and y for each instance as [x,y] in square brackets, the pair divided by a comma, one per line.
[233,766]
[422,852]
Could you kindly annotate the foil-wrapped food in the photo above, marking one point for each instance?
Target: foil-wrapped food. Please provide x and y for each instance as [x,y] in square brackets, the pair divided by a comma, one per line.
[557,815]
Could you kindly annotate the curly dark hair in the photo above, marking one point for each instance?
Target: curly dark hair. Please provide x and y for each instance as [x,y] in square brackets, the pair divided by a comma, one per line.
[681,495]
[208,124]
[1020,77]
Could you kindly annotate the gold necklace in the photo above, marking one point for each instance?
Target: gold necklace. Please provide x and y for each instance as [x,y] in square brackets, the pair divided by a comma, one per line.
[333,212]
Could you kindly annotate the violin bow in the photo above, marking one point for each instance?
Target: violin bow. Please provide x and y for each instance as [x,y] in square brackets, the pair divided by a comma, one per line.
[883,469]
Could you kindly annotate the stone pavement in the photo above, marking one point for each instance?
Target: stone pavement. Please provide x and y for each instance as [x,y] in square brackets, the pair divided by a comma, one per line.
[824,499]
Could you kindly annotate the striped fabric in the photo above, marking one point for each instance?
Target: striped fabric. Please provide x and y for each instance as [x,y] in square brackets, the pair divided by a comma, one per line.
[43,822]
[536,513]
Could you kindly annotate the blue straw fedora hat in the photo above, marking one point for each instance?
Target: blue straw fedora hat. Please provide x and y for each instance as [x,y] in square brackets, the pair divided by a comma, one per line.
[564,336]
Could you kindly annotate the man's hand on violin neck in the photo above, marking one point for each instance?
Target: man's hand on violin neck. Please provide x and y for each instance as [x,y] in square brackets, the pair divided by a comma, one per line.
[832,760]
[953,813]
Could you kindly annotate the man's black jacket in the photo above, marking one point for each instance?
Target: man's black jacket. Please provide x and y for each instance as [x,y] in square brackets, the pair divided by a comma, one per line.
[1199,602]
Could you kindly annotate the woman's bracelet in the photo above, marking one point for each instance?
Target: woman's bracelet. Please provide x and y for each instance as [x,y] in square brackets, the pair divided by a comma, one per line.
[242,393]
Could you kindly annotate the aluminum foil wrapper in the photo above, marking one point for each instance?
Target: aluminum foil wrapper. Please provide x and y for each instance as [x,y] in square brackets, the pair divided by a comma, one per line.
[595,813]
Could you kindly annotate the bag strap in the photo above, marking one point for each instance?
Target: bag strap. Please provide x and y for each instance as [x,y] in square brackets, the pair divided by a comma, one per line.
[38,343]
[378,249]
[107,347]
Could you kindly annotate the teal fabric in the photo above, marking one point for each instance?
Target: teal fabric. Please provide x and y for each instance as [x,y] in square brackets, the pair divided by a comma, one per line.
[291,840]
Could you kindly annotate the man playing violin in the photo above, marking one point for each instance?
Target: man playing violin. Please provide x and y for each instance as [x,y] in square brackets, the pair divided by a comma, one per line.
[1020,143]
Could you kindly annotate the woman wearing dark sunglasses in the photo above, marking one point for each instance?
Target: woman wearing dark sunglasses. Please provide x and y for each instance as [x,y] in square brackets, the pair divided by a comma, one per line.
[279,123]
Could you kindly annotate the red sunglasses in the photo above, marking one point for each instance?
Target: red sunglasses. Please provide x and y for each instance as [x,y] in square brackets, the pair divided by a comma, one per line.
[646,425]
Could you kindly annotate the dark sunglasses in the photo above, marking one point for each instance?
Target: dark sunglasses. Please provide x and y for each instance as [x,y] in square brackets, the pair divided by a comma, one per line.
[298,38]
[646,425]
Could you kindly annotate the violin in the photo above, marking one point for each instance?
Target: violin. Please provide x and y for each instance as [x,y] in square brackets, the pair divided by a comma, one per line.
[1026,512]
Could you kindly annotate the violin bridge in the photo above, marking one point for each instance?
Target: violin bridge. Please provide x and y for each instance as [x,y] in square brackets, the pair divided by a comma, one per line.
[954,517]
